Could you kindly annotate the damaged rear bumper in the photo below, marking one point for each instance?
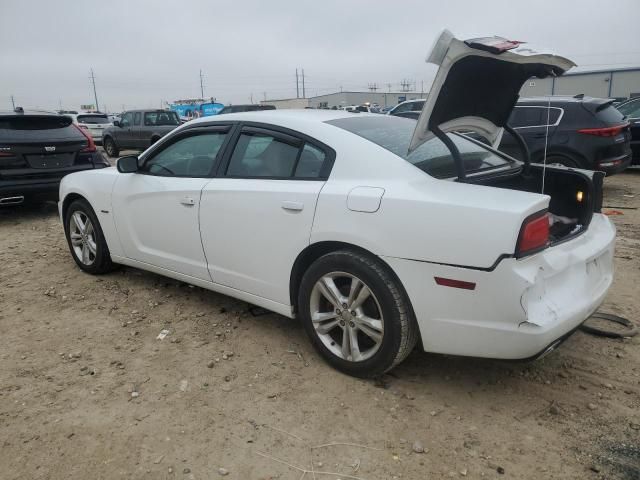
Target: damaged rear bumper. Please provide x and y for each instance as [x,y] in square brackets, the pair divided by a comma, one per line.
[519,309]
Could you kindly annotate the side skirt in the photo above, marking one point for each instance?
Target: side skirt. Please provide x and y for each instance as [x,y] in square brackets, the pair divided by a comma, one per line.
[280,308]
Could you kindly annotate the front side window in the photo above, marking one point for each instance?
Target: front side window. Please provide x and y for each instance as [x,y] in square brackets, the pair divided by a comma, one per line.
[432,157]
[262,155]
[127,119]
[192,156]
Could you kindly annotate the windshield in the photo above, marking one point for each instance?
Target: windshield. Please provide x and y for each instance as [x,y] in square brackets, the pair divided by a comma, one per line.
[432,157]
[94,119]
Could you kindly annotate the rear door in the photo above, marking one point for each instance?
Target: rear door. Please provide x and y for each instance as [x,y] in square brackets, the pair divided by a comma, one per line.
[256,216]
[531,121]
[156,209]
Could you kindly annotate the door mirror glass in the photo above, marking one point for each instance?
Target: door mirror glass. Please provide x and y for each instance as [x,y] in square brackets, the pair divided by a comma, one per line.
[128,164]
[116,123]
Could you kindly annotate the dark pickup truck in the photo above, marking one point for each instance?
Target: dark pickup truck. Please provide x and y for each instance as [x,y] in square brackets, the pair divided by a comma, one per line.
[37,149]
[138,129]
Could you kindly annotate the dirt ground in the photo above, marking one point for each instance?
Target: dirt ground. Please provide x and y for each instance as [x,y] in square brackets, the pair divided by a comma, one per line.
[88,391]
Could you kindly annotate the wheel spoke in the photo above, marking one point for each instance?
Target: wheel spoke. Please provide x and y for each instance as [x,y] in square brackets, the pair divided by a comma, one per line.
[88,228]
[353,344]
[330,291]
[328,326]
[92,246]
[355,285]
[76,239]
[346,344]
[319,317]
[362,296]
[85,255]
[371,327]
[77,219]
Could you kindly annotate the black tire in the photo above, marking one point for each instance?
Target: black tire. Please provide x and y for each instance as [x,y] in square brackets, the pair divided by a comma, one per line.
[562,160]
[400,329]
[111,148]
[101,258]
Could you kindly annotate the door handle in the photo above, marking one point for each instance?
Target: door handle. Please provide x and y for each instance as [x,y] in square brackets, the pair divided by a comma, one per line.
[292,206]
[188,201]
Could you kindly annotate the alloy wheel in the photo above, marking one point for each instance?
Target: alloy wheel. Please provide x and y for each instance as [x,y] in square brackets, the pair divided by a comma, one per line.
[346,316]
[83,238]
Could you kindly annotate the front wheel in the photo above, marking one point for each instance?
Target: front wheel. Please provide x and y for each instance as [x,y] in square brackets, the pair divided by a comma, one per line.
[85,239]
[356,314]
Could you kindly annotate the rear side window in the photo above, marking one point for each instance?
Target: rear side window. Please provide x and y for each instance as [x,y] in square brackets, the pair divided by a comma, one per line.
[432,157]
[610,114]
[136,118]
[261,155]
[160,118]
[310,162]
[35,122]
[524,117]
[93,119]
[192,156]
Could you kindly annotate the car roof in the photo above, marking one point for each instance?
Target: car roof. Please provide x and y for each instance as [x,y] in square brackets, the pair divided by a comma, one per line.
[277,116]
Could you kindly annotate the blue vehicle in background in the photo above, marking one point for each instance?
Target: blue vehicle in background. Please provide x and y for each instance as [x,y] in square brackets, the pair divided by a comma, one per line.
[196,108]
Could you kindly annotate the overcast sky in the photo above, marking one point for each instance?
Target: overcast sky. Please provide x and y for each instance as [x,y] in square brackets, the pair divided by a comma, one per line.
[147,52]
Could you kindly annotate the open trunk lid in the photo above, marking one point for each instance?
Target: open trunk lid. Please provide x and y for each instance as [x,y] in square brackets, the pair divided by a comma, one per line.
[478,83]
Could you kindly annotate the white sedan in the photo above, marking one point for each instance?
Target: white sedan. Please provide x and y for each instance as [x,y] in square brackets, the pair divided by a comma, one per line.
[377,232]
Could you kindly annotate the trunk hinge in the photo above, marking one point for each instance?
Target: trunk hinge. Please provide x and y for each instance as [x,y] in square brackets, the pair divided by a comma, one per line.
[455,153]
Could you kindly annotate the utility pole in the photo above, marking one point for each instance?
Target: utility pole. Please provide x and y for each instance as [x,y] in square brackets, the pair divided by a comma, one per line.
[421,88]
[373,87]
[95,95]
[201,86]
[13,102]
[297,85]
[304,95]
[265,96]
[251,97]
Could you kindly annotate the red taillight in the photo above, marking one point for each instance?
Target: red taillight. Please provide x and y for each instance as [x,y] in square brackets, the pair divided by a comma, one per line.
[605,131]
[534,234]
[91,146]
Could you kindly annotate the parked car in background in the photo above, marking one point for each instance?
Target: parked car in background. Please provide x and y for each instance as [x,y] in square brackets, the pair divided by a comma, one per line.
[583,132]
[94,123]
[375,231]
[631,110]
[245,108]
[408,106]
[37,149]
[138,129]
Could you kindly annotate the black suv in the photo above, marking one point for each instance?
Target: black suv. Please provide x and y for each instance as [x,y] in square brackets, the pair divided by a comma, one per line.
[138,129]
[631,109]
[583,132]
[37,149]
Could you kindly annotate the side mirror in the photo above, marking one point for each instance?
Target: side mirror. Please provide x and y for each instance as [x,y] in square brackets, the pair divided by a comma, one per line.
[128,164]
[116,123]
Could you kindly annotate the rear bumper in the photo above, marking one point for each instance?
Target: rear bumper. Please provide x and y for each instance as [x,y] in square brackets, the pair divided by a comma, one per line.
[612,166]
[522,307]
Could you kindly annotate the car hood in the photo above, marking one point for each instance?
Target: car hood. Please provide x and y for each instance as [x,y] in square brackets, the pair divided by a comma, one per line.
[477,84]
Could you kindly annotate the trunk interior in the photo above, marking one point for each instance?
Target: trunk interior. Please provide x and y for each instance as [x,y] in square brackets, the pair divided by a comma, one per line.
[575,196]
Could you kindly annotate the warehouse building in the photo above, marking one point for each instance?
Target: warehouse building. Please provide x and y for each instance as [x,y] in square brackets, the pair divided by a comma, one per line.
[343,99]
[620,83]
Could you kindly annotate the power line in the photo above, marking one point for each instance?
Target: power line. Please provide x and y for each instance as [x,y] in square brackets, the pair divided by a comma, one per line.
[95,95]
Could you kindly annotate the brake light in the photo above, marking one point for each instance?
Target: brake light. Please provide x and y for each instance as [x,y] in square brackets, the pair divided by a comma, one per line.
[534,234]
[91,145]
[605,131]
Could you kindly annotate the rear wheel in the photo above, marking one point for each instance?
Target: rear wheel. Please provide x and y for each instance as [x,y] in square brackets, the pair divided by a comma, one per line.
[85,239]
[356,314]
[562,160]
[110,147]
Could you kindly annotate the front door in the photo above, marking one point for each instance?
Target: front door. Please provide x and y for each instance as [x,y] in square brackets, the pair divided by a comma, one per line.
[156,209]
[256,216]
